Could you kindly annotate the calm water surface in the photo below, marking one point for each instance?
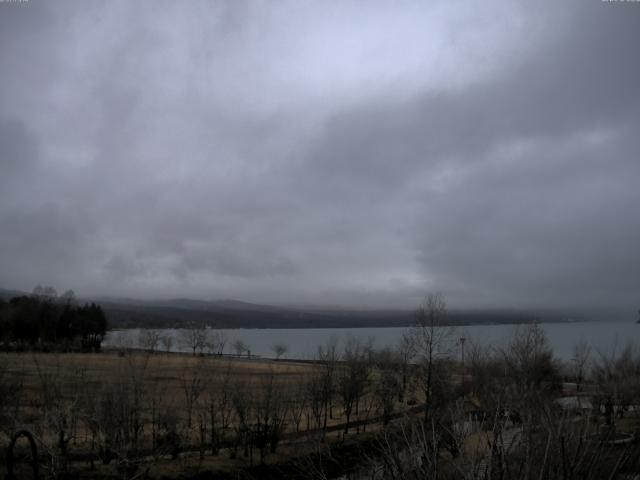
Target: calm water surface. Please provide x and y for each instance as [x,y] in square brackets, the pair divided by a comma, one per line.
[303,343]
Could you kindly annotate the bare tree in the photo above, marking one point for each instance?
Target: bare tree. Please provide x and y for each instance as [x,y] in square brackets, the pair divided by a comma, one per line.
[529,359]
[269,414]
[352,378]
[218,404]
[59,409]
[298,403]
[156,406]
[192,386]
[216,340]
[114,415]
[618,378]
[431,339]
[167,343]
[279,349]
[387,382]
[579,361]
[479,367]
[11,396]
[194,339]
[327,357]
[315,387]
[243,408]
[406,350]
[121,341]
[149,340]
[240,347]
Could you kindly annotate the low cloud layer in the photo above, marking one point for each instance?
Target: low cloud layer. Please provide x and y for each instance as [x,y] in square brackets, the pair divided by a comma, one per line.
[353,153]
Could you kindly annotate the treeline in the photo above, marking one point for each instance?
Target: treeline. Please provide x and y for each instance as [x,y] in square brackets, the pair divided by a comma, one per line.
[45,321]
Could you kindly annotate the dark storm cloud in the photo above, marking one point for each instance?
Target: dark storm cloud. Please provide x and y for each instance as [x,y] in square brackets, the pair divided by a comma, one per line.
[527,190]
[282,152]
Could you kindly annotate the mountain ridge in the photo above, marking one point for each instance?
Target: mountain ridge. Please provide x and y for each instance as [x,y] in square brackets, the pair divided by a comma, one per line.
[181,312]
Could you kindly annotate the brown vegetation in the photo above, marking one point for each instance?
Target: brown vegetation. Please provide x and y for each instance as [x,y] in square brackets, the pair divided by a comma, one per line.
[418,411]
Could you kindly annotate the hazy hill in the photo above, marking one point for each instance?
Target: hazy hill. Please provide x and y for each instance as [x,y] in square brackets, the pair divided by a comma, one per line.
[230,313]
[238,314]
[8,294]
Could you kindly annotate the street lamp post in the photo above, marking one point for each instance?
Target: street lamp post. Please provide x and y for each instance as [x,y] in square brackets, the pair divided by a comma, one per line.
[462,340]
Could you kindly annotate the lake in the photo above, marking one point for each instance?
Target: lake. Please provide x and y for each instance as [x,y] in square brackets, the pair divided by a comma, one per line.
[303,343]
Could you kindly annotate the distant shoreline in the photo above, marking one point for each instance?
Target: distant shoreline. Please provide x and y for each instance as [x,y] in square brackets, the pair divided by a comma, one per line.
[345,327]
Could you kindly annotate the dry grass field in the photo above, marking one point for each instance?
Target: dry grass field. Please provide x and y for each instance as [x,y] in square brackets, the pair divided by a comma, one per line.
[171,409]
[71,371]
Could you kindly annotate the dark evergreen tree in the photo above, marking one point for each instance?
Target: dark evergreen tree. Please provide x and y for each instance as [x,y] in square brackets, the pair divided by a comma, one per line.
[43,321]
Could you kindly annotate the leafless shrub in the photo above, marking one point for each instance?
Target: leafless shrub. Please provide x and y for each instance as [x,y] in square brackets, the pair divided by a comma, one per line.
[240,347]
[555,449]
[167,343]
[529,359]
[617,376]
[194,339]
[279,349]
[149,340]
[215,342]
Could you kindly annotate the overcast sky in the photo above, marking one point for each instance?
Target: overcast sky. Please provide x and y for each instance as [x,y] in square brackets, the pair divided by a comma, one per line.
[353,153]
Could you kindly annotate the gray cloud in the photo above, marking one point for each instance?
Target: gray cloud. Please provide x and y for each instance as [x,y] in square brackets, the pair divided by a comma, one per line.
[291,153]
[18,148]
